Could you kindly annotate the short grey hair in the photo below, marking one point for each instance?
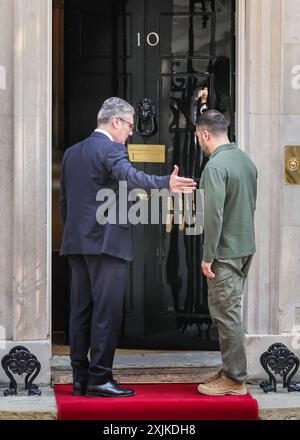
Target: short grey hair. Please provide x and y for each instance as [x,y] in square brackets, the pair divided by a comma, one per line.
[113,107]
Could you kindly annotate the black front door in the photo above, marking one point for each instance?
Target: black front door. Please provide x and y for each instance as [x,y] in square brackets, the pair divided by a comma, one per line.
[179,55]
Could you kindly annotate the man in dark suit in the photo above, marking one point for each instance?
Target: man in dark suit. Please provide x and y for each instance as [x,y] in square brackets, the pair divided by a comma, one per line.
[98,253]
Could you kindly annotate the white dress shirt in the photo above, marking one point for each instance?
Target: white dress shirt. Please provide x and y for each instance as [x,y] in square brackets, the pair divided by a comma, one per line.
[100,130]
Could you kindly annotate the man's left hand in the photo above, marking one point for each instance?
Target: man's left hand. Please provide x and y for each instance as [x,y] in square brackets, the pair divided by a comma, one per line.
[181,184]
[206,269]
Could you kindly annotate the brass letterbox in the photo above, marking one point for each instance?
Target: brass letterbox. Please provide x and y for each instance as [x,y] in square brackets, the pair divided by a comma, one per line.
[292,165]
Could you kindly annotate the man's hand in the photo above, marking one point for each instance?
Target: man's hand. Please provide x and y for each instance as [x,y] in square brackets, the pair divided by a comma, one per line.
[206,269]
[181,184]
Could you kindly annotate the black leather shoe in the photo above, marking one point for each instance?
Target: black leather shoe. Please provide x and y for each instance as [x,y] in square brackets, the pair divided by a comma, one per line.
[108,389]
[79,388]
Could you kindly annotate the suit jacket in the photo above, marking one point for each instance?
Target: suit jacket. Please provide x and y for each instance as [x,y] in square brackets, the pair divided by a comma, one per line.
[89,166]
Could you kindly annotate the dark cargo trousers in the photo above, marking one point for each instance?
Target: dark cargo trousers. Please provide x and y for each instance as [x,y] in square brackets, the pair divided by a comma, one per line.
[224,301]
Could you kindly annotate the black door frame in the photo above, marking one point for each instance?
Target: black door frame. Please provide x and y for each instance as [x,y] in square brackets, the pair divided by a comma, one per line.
[137,342]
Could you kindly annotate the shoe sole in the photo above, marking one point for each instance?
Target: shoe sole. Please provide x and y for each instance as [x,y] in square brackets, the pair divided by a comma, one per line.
[228,393]
[107,395]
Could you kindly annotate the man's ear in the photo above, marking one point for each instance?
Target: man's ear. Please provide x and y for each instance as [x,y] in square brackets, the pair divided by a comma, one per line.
[115,122]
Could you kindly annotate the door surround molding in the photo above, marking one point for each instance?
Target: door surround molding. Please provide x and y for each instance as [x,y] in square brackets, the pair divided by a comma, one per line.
[240,70]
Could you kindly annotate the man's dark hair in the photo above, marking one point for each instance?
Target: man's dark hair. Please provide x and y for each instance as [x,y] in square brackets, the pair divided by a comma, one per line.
[213,121]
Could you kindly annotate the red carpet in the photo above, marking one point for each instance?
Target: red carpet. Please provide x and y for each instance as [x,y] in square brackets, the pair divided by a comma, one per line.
[156,402]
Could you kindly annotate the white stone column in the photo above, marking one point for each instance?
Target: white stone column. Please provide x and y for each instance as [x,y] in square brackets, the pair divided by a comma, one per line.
[261,117]
[289,303]
[6,167]
[32,124]
[262,137]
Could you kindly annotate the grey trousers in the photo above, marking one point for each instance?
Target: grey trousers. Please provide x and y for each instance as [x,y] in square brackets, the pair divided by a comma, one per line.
[224,301]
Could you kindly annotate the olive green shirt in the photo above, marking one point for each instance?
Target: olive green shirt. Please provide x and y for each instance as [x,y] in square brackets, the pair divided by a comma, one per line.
[229,181]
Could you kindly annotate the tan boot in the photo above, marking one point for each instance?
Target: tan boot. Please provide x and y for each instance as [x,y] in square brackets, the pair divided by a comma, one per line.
[210,379]
[222,386]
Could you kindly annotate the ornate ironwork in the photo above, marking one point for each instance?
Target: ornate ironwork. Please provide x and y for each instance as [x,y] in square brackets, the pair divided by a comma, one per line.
[280,360]
[20,361]
[206,16]
[146,124]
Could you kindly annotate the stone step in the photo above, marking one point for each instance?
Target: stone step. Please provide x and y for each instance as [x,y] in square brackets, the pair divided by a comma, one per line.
[183,367]
[145,375]
[171,367]
[274,406]
[23,407]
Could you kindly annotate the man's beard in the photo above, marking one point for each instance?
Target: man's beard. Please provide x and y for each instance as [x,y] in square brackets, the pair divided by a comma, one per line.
[205,151]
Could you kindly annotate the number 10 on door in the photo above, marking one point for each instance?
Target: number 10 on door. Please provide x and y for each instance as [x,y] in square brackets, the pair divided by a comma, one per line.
[152,39]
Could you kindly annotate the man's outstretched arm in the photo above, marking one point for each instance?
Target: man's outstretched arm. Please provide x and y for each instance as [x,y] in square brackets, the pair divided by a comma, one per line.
[121,169]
